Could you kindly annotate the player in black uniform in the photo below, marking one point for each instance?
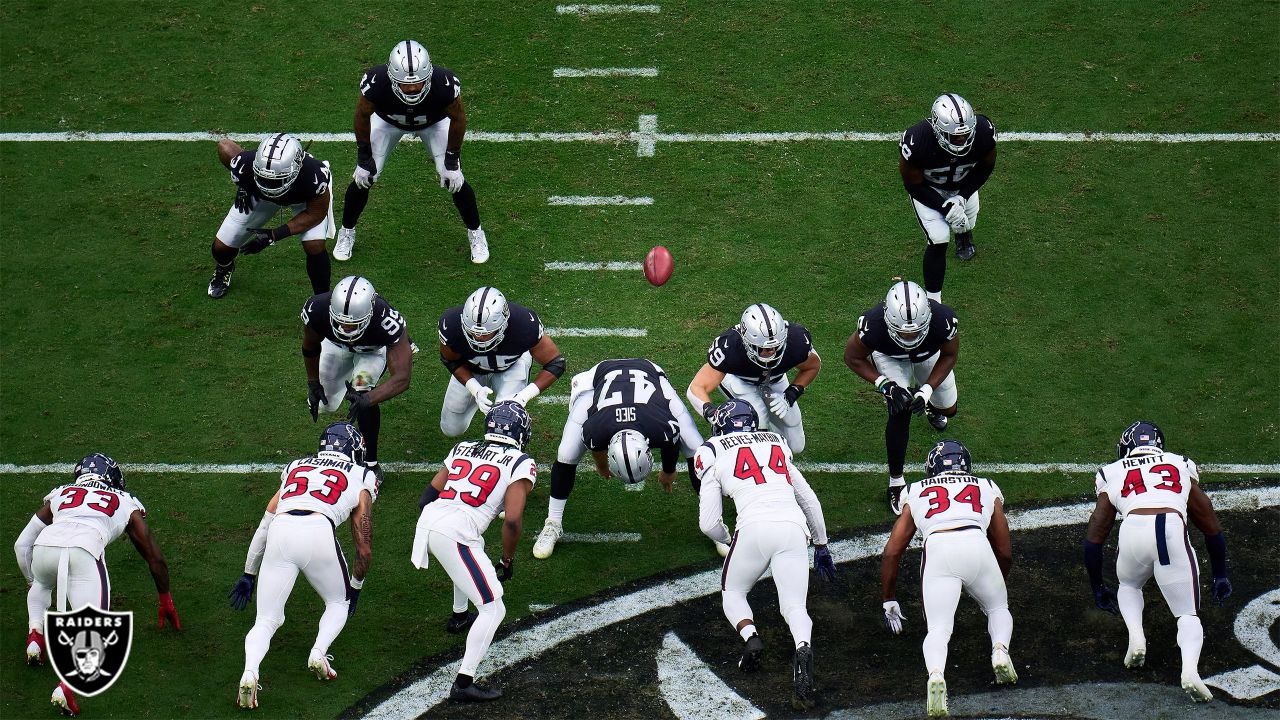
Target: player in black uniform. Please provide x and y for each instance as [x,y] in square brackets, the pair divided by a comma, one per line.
[750,362]
[943,161]
[619,410]
[280,173]
[907,340]
[488,346]
[349,337]
[410,96]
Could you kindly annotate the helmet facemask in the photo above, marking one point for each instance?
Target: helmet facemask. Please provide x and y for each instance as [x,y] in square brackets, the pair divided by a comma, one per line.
[764,335]
[954,123]
[484,319]
[907,314]
[409,64]
[351,307]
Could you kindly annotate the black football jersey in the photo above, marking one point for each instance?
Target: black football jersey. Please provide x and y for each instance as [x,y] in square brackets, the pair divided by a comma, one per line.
[312,181]
[524,330]
[728,354]
[375,86]
[943,170]
[874,332]
[627,395]
[386,327]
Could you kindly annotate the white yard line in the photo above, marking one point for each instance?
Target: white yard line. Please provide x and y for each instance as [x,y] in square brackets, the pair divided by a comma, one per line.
[596,332]
[553,399]
[613,265]
[605,72]
[647,136]
[598,200]
[600,537]
[606,9]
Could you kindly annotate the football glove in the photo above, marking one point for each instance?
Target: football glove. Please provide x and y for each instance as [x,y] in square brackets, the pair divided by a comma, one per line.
[896,397]
[955,212]
[451,179]
[359,402]
[244,201]
[527,393]
[823,564]
[353,595]
[315,398]
[168,612]
[366,168]
[1105,598]
[506,568]
[921,399]
[779,406]
[263,238]
[481,394]
[362,178]
[708,411]
[1221,590]
[893,617]
[242,593]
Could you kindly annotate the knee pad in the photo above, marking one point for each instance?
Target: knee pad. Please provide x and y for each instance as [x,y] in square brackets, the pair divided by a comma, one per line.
[562,480]
[453,425]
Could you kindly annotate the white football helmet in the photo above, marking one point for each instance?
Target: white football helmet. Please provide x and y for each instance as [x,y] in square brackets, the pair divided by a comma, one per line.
[484,318]
[277,163]
[764,333]
[954,123]
[409,64]
[907,313]
[629,458]
[351,307]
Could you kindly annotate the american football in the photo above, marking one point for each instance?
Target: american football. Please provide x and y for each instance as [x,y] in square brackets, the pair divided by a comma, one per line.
[658,266]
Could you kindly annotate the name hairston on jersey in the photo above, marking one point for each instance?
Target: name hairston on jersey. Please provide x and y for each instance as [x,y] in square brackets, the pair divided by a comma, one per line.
[949,479]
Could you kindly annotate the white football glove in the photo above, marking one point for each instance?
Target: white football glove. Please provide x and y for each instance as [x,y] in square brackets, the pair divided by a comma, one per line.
[481,395]
[527,393]
[779,406]
[956,216]
[452,180]
[893,616]
[362,178]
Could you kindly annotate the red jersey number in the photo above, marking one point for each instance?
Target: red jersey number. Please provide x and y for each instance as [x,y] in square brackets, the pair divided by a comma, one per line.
[940,499]
[296,484]
[1135,483]
[484,477]
[107,503]
[746,467]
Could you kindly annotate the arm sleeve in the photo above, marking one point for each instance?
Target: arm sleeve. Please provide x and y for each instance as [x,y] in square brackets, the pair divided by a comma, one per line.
[923,194]
[670,456]
[25,545]
[809,505]
[690,438]
[975,179]
[253,563]
[710,512]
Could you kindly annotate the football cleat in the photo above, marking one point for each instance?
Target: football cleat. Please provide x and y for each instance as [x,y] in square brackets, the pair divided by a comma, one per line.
[342,248]
[895,498]
[1002,665]
[66,700]
[721,548]
[322,666]
[935,418]
[35,648]
[221,281]
[473,693]
[479,245]
[1195,688]
[965,249]
[802,672]
[546,542]
[1136,656]
[936,704]
[460,622]
[750,659]
[247,693]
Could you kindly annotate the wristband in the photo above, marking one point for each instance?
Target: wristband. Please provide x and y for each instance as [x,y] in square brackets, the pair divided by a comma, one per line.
[880,382]
[451,159]
[281,233]
[793,393]
[356,583]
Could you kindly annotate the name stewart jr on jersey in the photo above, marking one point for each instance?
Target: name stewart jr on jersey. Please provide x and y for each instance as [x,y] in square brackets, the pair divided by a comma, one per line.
[386,327]
[444,88]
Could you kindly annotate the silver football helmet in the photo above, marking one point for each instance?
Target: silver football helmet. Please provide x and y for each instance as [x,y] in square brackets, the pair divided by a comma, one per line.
[629,458]
[409,64]
[277,163]
[484,318]
[907,313]
[764,333]
[351,307]
[954,123]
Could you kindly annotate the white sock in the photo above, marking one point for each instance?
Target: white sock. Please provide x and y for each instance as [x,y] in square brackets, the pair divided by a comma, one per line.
[256,644]
[896,481]
[800,624]
[555,509]
[459,600]
[1000,627]
[935,650]
[935,296]
[331,623]
[1130,601]
[746,631]
[1190,640]
[481,635]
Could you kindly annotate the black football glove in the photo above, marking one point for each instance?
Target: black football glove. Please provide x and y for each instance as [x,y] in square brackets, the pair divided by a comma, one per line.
[244,201]
[1221,590]
[823,564]
[359,402]
[452,159]
[353,595]
[506,568]
[708,412]
[263,238]
[242,593]
[1105,599]
[896,397]
[315,397]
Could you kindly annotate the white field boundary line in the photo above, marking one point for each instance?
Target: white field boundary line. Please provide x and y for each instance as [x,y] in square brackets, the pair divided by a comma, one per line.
[427,467]
[559,332]
[612,266]
[598,200]
[605,72]
[606,9]
[420,696]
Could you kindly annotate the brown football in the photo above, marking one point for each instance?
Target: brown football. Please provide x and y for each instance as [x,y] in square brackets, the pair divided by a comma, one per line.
[658,265]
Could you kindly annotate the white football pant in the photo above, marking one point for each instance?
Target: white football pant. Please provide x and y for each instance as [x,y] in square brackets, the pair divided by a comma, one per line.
[384,137]
[954,561]
[338,366]
[1158,545]
[791,429]
[459,407]
[80,578]
[908,374]
[935,225]
[782,547]
[473,576]
[234,230]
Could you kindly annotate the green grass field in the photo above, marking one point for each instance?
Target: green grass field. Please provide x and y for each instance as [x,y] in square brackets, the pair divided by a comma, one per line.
[1113,280]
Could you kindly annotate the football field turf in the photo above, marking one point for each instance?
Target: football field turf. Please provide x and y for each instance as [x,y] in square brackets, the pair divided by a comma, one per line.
[1114,280]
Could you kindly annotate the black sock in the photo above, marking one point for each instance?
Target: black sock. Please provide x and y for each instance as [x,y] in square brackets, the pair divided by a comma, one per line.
[223,257]
[353,204]
[463,681]
[562,478]
[693,477]
[318,272]
[369,420]
[896,433]
[935,266]
[465,201]
[965,238]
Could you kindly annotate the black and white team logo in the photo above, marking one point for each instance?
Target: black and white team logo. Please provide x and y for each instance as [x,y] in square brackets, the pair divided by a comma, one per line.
[89,647]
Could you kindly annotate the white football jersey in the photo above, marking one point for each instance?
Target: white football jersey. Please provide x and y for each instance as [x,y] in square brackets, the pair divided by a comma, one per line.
[88,515]
[753,468]
[328,483]
[475,492]
[1148,480]
[949,501]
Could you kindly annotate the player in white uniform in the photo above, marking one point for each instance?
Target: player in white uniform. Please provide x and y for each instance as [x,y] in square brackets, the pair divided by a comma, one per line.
[777,514]
[316,495]
[479,480]
[1156,492]
[947,507]
[64,546]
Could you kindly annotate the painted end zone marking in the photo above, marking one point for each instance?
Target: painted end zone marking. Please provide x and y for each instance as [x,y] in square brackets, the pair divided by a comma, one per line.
[598,200]
[597,332]
[600,537]
[604,72]
[606,9]
[614,265]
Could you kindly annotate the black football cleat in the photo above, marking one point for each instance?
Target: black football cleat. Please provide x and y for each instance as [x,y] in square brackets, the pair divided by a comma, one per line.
[895,498]
[936,419]
[221,281]
[460,622]
[473,693]
[750,659]
[802,670]
[965,249]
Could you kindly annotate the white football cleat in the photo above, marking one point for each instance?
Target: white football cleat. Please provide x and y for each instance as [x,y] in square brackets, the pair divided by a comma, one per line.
[346,241]
[1002,665]
[546,542]
[1195,688]
[247,693]
[1136,656]
[721,548]
[936,705]
[479,245]
[65,700]
[322,666]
